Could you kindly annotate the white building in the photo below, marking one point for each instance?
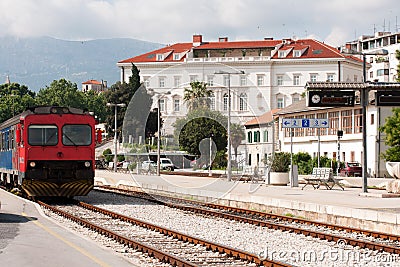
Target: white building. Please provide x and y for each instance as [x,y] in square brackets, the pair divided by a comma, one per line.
[274,73]
[94,85]
[384,67]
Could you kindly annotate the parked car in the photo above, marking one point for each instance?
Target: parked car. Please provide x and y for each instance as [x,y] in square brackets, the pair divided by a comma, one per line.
[351,169]
[148,164]
[166,164]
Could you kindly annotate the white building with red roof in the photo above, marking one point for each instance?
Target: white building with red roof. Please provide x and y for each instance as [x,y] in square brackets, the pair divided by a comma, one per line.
[274,73]
[94,85]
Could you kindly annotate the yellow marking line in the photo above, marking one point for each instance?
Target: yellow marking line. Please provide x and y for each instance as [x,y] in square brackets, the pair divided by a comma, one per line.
[84,252]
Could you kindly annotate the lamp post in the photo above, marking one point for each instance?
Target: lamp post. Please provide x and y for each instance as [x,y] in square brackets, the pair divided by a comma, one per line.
[229,167]
[210,158]
[115,131]
[364,104]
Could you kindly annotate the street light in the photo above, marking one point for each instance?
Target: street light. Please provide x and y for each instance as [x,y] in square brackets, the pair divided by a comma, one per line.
[229,167]
[115,130]
[364,103]
[161,95]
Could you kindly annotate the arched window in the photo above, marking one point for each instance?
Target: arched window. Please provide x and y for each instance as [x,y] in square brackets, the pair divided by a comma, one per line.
[243,102]
[225,102]
[212,101]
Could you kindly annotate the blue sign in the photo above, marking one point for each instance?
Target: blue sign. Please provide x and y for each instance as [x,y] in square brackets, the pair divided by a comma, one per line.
[305,123]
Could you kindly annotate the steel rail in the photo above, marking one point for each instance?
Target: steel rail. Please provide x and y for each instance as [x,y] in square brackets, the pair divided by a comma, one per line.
[153,252]
[277,226]
[232,252]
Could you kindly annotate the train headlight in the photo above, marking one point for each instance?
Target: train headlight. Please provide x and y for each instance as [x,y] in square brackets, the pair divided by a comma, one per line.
[32,164]
[87,164]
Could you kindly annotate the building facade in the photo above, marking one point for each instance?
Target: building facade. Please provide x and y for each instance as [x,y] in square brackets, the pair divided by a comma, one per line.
[260,75]
[383,67]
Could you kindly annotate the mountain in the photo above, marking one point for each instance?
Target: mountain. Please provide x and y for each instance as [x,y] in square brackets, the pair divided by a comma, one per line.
[37,61]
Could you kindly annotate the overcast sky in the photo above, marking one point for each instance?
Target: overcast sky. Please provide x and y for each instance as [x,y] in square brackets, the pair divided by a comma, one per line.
[173,21]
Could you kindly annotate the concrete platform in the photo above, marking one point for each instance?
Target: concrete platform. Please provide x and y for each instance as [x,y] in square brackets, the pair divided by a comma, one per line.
[27,238]
[335,206]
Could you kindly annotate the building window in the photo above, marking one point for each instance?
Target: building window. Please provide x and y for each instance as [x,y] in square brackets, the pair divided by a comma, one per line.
[279,80]
[177,56]
[313,78]
[371,74]
[260,80]
[355,78]
[265,136]
[210,80]
[347,126]
[146,82]
[295,98]
[296,53]
[162,105]
[226,81]
[176,105]
[256,136]
[329,78]
[372,119]
[177,81]
[282,54]
[296,79]
[243,102]
[249,137]
[280,102]
[161,82]
[358,121]
[243,80]
[212,101]
[160,57]
[193,78]
[333,122]
[225,102]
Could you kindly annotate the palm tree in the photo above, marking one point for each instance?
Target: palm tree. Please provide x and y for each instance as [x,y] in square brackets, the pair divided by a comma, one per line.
[237,135]
[197,96]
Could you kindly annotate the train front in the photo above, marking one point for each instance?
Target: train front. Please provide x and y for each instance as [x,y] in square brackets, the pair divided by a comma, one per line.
[58,152]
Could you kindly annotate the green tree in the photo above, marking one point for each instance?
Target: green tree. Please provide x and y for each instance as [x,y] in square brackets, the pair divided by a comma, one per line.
[237,136]
[61,93]
[200,124]
[392,136]
[96,103]
[14,99]
[197,96]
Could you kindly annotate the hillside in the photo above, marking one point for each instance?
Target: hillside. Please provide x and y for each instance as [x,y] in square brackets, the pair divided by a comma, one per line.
[37,61]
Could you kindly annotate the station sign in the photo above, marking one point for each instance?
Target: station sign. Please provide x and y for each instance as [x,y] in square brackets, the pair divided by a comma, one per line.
[305,123]
[387,98]
[330,98]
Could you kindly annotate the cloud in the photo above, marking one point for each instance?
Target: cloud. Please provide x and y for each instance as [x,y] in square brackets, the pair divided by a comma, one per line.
[177,20]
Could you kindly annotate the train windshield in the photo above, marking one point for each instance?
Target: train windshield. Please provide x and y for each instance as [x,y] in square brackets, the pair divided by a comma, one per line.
[42,135]
[76,135]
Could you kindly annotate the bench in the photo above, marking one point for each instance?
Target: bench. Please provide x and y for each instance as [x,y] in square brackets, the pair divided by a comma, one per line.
[322,176]
[248,174]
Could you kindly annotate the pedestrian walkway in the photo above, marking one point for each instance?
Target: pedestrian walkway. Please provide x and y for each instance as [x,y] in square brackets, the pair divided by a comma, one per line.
[28,238]
[347,207]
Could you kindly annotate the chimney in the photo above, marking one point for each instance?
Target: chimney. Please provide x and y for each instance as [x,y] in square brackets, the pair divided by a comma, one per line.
[197,39]
[223,39]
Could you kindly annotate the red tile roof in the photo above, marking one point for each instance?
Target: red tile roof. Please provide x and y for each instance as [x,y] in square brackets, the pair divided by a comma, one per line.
[91,82]
[263,119]
[310,49]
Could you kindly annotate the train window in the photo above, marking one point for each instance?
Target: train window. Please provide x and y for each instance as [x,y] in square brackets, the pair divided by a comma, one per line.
[42,135]
[77,135]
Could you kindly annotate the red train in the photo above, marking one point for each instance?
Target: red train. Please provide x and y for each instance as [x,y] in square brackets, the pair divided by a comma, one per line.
[49,151]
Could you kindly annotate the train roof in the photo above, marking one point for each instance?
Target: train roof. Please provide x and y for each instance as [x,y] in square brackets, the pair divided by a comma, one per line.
[42,110]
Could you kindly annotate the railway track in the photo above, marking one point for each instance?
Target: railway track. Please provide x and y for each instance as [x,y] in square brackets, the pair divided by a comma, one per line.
[169,246]
[278,222]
